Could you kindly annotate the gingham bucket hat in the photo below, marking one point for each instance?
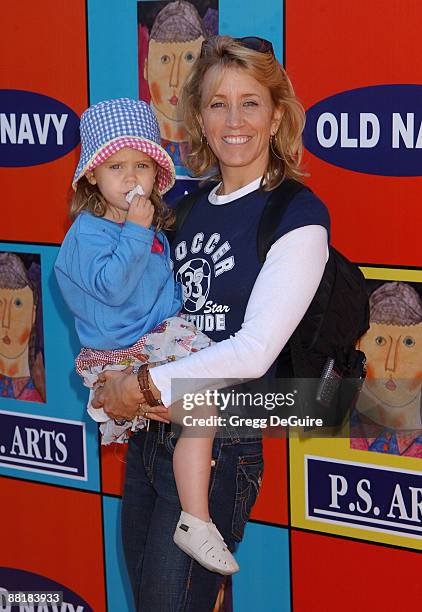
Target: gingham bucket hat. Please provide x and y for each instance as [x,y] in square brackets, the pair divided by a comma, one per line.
[111,125]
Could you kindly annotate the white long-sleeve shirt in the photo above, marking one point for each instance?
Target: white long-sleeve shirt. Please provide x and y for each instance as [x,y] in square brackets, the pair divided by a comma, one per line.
[280,297]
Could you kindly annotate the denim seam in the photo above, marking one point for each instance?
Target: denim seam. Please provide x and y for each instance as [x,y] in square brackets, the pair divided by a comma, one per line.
[151,456]
[168,442]
[242,497]
[187,587]
[214,473]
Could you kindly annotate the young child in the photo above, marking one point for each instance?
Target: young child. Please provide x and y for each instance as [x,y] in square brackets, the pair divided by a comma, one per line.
[114,272]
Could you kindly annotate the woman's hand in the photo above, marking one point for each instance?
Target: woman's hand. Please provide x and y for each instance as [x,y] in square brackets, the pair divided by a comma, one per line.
[119,395]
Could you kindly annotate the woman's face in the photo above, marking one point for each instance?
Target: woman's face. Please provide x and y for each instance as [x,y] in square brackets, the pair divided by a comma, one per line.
[238,119]
[394,354]
[17,316]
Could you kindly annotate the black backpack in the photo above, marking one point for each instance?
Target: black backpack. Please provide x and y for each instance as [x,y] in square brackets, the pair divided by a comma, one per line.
[323,345]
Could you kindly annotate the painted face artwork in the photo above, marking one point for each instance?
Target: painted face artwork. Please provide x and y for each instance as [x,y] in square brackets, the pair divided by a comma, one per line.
[238,119]
[17,312]
[387,418]
[394,355]
[166,68]
[22,374]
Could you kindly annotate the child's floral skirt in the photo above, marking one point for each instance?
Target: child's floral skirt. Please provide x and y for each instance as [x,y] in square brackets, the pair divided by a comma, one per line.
[172,339]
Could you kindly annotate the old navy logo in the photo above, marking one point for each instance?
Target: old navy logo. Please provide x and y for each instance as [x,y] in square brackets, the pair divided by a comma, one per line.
[376,130]
[34,128]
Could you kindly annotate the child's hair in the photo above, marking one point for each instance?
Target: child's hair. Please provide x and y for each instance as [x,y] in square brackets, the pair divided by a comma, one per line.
[88,197]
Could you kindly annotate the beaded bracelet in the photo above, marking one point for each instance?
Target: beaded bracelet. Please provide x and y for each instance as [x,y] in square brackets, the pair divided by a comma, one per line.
[143,382]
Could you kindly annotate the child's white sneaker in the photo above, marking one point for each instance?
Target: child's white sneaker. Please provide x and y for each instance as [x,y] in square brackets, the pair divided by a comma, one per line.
[203,542]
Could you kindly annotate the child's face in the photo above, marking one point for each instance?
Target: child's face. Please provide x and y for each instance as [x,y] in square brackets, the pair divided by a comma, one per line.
[119,174]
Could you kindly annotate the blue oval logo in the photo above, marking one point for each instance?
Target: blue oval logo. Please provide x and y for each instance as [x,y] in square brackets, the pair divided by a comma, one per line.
[12,579]
[376,130]
[34,129]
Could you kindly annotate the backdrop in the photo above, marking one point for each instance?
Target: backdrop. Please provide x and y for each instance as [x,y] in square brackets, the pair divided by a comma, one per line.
[338,523]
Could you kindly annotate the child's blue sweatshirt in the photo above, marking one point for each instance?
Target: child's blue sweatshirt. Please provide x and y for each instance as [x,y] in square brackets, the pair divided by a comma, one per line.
[116,288]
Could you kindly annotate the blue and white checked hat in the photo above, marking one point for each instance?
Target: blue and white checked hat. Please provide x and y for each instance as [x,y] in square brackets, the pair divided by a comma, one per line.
[111,125]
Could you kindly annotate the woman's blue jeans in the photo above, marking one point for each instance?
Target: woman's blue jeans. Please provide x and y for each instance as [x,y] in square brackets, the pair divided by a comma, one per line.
[163,578]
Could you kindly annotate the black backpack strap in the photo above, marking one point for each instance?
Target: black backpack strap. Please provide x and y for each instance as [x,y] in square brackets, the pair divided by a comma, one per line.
[273,212]
[186,204]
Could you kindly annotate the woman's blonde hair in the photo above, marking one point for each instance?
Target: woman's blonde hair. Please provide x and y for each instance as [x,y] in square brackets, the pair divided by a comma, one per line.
[88,197]
[286,145]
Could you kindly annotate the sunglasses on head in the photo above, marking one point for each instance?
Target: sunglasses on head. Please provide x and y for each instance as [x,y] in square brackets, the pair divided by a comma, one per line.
[254,43]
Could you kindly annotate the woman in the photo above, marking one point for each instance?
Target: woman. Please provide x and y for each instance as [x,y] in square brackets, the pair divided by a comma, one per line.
[245,124]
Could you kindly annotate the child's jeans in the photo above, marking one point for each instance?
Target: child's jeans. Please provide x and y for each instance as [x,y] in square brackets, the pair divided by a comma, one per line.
[172,339]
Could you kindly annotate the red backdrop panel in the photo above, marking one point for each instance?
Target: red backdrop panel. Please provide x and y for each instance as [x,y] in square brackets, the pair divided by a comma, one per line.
[272,502]
[43,49]
[337,46]
[54,532]
[331,574]
[113,464]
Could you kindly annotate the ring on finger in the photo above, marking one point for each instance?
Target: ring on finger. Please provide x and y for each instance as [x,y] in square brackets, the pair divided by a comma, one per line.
[141,411]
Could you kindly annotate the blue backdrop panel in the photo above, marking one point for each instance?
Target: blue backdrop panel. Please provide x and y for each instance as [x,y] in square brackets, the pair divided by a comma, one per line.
[64,410]
[113,40]
[119,593]
[113,49]
[263,582]
[263,18]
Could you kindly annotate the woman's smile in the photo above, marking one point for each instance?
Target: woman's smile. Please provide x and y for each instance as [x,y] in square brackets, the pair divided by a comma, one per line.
[236,140]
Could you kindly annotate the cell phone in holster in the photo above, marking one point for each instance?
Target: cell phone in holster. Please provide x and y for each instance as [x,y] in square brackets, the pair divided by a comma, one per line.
[329,384]
[337,390]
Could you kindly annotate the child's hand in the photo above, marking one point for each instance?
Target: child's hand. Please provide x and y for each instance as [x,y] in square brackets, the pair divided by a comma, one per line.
[141,211]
